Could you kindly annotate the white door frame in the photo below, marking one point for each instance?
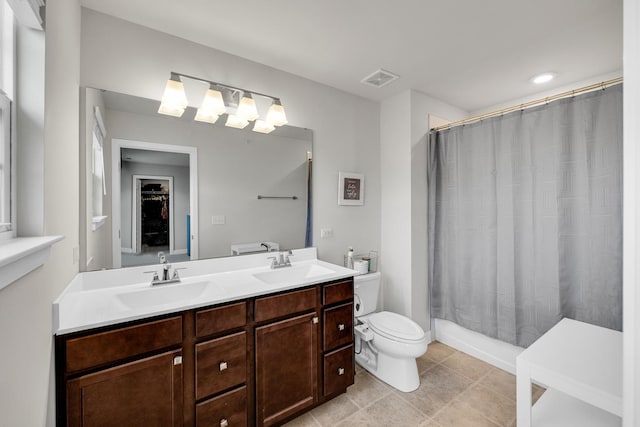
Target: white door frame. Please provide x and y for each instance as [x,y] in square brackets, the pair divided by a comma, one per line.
[135,211]
[116,146]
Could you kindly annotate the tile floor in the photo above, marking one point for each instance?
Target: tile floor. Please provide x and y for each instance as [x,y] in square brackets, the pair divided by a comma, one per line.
[456,390]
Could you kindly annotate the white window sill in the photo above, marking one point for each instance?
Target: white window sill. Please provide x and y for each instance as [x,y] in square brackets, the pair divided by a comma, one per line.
[22,255]
[97,222]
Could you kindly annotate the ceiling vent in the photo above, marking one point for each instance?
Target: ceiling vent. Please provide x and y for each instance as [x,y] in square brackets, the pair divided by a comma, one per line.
[379,78]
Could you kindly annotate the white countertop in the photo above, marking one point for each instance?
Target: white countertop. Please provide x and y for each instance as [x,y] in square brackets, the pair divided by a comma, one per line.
[103,298]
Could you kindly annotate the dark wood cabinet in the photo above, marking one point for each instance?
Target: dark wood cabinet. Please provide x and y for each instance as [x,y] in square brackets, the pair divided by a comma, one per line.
[226,410]
[147,392]
[221,364]
[286,368]
[257,362]
[337,332]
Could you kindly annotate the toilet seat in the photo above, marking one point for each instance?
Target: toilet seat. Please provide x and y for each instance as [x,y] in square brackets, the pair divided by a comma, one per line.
[395,327]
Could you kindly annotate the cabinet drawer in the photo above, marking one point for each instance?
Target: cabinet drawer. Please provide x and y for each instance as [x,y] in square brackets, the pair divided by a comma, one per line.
[338,370]
[338,326]
[284,304]
[112,346]
[337,292]
[229,409]
[220,319]
[221,364]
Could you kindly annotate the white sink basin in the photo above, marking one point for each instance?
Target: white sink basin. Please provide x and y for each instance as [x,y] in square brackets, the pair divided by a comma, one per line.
[296,273]
[163,294]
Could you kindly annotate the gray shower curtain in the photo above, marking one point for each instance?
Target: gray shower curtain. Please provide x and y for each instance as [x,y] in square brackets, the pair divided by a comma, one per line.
[525,218]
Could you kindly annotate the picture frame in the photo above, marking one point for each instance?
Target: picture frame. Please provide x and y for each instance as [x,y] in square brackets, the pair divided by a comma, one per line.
[350,189]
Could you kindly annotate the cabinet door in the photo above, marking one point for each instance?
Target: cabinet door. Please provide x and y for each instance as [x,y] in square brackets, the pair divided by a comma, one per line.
[147,392]
[286,368]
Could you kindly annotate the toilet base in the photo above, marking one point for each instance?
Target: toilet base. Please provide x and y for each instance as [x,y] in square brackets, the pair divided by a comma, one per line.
[400,373]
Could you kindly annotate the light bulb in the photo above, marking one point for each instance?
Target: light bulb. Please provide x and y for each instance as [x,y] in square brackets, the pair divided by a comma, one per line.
[276,115]
[234,121]
[174,100]
[247,108]
[263,126]
[212,106]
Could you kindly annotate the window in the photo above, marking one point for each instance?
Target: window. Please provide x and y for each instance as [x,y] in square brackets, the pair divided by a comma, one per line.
[99,187]
[7,151]
[5,163]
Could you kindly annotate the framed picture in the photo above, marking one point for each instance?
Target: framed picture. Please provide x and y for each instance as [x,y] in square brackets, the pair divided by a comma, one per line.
[350,189]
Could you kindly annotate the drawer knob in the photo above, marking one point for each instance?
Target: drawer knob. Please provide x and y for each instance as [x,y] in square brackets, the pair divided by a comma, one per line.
[314,320]
[223,366]
[224,422]
[341,326]
[177,360]
[340,371]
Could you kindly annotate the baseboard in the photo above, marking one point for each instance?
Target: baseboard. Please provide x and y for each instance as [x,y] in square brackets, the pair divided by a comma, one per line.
[495,352]
[127,251]
[179,252]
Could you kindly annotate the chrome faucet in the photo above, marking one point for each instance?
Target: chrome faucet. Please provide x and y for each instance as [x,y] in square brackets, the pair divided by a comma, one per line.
[281,260]
[166,267]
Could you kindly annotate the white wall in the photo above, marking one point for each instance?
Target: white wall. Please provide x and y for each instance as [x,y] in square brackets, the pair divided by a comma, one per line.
[403,128]
[27,395]
[127,58]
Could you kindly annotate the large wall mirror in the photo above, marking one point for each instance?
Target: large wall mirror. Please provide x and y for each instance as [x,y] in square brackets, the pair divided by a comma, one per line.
[152,183]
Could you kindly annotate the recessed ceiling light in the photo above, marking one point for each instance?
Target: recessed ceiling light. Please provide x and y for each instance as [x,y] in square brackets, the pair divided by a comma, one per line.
[543,78]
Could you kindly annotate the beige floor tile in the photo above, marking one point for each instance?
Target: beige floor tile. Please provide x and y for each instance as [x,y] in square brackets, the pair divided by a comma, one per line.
[437,351]
[466,365]
[304,420]
[358,419]
[424,363]
[367,389]
[501,382]
[536,392]
[389,411]
[493,406]
[438,386]
[430,423]
[459,415]
[334,411]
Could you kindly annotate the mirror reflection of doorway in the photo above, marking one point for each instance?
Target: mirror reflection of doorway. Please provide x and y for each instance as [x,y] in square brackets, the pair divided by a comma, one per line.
[153,216]
[154,206]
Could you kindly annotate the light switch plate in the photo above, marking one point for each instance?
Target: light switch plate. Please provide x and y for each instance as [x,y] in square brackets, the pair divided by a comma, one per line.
[326,233]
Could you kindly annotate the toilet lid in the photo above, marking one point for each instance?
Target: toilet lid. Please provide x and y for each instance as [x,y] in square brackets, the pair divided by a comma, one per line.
[394,325]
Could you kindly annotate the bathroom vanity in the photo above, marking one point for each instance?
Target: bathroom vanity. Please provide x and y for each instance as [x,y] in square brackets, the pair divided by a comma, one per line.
[254,347]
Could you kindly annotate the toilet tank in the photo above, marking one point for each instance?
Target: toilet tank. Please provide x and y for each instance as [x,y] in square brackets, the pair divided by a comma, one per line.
[366,289]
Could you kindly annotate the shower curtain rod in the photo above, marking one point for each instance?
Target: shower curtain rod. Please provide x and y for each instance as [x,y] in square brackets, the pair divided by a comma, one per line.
[529,104]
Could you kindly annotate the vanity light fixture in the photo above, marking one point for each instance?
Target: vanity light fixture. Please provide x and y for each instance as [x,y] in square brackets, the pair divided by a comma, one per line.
[543,78]
[234,121]
[212,106]
[276,115]
[247,108]
[263,126]
[220,99]
[174,101]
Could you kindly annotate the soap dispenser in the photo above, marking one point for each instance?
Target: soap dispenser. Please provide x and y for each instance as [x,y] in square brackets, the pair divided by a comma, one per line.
[350,258]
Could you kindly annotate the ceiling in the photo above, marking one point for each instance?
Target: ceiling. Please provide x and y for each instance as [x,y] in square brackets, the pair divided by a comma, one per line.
[468,53]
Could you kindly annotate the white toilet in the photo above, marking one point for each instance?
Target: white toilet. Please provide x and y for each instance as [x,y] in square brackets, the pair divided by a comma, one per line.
[387,344]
